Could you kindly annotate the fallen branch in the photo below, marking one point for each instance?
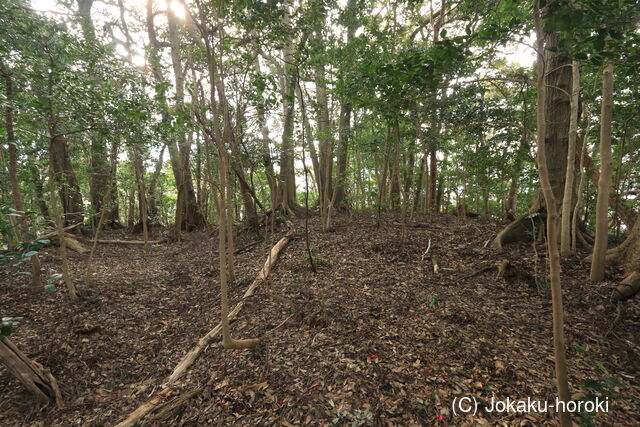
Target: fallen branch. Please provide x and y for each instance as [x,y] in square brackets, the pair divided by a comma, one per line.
[414,225]
[129,242]
[475,273]
[53,233]
[427,251]
[189,358]
[170,409]
[281,324]
[31,374]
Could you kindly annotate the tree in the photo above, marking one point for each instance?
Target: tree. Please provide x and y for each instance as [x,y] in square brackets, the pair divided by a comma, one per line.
[552,213]
[604,183]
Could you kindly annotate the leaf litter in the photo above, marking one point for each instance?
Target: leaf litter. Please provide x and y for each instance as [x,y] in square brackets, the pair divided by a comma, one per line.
[377,337]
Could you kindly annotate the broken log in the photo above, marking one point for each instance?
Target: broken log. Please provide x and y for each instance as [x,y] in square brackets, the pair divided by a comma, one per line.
[149,406]
[75,245]
[627,288]
[72,242]
[171,408]
[31,374]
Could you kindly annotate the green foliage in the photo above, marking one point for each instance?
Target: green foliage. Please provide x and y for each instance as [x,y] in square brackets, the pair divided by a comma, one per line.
[7,324]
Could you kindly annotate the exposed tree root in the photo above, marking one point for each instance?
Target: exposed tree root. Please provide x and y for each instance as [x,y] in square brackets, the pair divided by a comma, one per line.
[522,229]
[582,238]
[151,405]
[629,287]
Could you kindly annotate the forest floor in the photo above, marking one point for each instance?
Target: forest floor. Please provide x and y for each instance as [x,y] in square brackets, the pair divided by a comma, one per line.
[376,337]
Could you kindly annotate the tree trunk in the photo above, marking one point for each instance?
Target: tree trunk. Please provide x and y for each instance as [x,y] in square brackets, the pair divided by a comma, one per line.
[142,194]
[423,173]
[99,168]
[66,275]
[287,181]
[113,215]
[395,171]
[408,176]
[131,210]
[344,127]
[266,140]
[153,185]
[64,175]
[552,242]
[38,186]
[558,111]
[224,246]
[325,137]
[189,211]
[579,195]
[623,209]
[565,231]
[13,171]
[433,175]
[313,153]
[61,169]
[604,183]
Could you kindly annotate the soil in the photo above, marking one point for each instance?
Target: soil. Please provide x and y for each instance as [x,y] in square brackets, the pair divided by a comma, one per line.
[376,337]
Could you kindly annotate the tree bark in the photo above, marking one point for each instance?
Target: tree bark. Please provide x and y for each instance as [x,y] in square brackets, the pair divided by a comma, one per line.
[558,111]
[552,243]
[66,275]
[395,171]
[422,176]
[60,162]
[153,185]
[324,132]
[287,181]
[604,183]
[64,175]
[13,171]
[579,195]
[99,168]
[38,186]
[142,194]
[189,211]
[565,231]
[344,127]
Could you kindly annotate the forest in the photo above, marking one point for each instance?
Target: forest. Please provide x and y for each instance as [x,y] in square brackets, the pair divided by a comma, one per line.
[319,212]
